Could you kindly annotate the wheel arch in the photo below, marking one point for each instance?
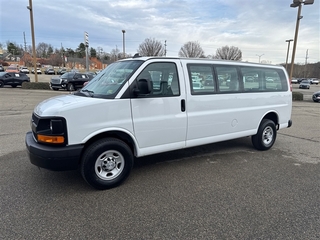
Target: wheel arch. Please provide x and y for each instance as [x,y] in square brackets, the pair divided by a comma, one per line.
[125,137]
[273,116]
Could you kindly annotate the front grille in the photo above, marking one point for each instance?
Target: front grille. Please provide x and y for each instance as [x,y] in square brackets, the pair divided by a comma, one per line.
[35,119]
[34,123]
[55,81]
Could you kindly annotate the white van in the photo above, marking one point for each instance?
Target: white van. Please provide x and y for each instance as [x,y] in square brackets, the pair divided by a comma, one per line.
[146,105]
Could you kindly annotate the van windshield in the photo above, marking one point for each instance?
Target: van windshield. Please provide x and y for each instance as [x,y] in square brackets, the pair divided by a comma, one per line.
[109,81]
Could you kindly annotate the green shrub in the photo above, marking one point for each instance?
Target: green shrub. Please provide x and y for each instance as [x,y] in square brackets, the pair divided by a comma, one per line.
[297,96]
[36,85]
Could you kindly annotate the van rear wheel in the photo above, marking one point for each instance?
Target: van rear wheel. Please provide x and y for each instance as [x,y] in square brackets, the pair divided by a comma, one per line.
[266,135]
[106,163]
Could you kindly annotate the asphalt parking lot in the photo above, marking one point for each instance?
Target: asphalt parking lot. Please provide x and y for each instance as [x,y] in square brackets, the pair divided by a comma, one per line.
[225,190]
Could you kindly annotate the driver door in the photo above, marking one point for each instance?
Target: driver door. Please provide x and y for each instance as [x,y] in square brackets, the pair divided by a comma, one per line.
[159,118]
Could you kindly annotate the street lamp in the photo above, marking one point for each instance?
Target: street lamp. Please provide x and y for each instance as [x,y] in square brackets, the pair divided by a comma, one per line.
[124,52]
[288,41]
[259,56]
[33,42]
[297,3]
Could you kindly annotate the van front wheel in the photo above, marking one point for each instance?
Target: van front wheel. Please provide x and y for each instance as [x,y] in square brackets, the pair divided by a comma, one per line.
[266,135]
[106,163]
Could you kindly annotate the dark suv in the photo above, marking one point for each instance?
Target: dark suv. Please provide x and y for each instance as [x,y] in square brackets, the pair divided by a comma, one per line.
[69,80]
[61,71]
[13,79]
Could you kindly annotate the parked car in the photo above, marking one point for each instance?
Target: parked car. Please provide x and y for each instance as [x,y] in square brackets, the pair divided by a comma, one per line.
[269,79]
[197,85]
[91,74]
[38,71]
[314,81]
[24,70]
[316,96]
[305,84]
[294,80]
[1,68]
[13,79]
[61,71]
[300,80]
[70,81]
[50,71]
[12,69]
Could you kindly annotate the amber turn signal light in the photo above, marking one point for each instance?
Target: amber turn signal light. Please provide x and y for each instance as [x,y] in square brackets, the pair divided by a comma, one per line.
[50,139]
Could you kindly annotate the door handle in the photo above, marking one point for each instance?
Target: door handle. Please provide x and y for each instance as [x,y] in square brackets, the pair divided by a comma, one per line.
[183,105]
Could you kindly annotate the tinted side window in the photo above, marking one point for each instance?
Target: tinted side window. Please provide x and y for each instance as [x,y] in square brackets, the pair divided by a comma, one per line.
[80,76]
[164,79]
[201,79]
[228,78]
[263,79]
[70,75]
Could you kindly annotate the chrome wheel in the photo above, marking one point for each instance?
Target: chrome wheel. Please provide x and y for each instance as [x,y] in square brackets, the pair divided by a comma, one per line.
[267,136]
[106,163]
[109,165]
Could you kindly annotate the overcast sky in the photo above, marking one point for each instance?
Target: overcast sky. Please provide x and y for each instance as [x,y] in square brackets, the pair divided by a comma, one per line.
[256,27]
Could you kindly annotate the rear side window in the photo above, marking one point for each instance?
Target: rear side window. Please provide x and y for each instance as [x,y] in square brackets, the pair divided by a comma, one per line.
[263,79]
[228,79]
[80,76]
[201,79]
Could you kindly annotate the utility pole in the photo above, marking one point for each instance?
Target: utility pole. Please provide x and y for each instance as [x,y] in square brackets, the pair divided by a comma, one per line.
[288,41]
[123,42]
[33,42]
[297,3]
[63,58]
[305,64]
[86,42]
[25,43]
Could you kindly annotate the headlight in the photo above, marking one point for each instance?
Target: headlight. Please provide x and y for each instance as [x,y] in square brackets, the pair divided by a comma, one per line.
[51,131]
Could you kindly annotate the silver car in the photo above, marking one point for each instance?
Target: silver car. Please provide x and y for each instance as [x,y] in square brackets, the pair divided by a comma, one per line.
[305,84]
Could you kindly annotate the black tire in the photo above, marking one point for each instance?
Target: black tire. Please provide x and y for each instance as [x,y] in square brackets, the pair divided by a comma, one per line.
[266,135]
[55,89]
[70,87]
[106,163]
[1,84]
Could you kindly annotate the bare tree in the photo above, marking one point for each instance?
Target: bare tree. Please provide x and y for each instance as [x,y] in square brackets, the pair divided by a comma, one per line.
[229,53]
[115,55]
[99,52]
[151,47]
[44,50]
[191,50]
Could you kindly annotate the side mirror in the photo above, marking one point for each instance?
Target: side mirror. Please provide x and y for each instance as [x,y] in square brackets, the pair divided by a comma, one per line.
[144,87]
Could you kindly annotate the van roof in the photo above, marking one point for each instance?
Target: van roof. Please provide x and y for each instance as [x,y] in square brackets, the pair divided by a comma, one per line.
[203,59]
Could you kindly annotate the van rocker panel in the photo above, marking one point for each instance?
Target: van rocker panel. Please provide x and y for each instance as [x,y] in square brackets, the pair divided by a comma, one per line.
[53,157]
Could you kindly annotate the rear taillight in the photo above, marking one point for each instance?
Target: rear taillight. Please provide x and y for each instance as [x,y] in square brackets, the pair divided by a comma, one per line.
[290,85]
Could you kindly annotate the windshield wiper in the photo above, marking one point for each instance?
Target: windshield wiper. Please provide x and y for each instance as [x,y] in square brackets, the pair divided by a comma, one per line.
[91,93]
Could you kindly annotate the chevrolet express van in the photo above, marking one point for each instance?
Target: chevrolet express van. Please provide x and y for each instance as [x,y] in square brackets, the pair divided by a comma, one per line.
[147,105]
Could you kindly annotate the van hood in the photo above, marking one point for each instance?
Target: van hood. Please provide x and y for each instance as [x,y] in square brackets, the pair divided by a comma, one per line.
[56,105]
